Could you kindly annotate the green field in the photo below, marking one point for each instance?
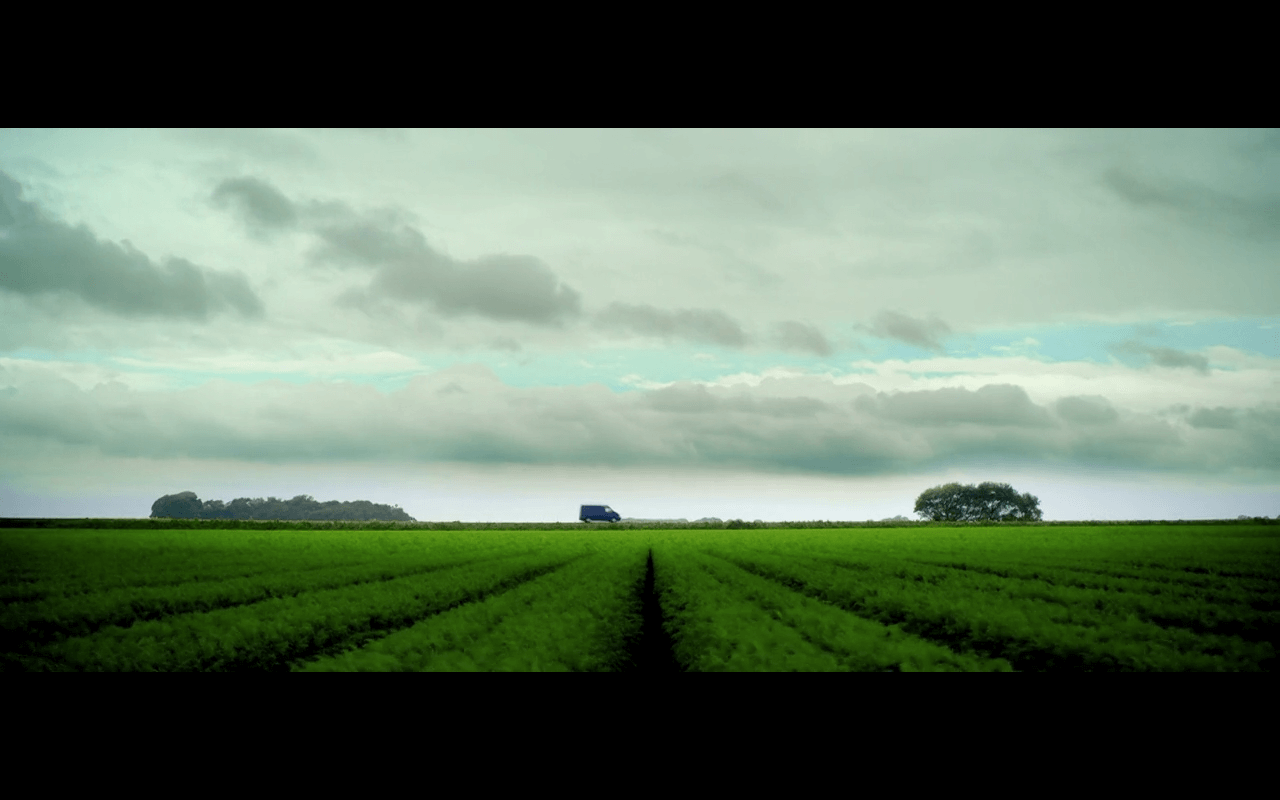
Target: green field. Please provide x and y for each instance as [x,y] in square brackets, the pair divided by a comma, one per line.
[616,598]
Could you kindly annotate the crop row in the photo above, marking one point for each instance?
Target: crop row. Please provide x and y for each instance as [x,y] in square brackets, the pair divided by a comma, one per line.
[724,619]
[1186,553]
[1215,579]
[579,618]
[1259,595]
[733,600]
[1239,613]
[60,563]
[65,616]
[271,633]
[1226,610]
[1032,627]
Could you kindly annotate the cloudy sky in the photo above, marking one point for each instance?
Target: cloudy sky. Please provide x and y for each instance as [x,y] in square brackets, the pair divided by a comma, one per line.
[502,325]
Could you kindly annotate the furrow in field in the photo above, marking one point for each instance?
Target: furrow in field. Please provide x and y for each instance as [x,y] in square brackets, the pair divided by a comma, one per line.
[579,618]
[713,630]
[269,634]
[652,651]
[1030,633]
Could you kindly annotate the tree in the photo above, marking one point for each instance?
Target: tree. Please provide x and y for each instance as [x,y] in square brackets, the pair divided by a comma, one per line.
[183,505]
[986,501]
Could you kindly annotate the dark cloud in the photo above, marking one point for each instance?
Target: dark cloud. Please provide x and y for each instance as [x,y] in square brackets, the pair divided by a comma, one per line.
[793,407]
[692,324]
[1142,442]
[995,404]
[502,287]
[1086,410]
[370,241]
[41,255]
[1220,418]
[465,413]
[922,333]
[683,398]
[405,267]
[1163,356]
[1168,357]
[1200,205]
[261,206]
[804,338]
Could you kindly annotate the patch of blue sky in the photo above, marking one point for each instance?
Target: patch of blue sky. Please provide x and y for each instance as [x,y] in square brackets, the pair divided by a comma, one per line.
[178,377]
[627,370]
[631,369]
[384,383]
[1098,343]
[933,374]
[77,356]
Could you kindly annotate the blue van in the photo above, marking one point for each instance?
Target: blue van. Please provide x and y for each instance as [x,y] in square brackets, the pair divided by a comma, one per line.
[598,514]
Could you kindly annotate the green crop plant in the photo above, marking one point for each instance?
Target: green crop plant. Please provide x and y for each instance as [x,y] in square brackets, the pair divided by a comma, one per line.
[811,596]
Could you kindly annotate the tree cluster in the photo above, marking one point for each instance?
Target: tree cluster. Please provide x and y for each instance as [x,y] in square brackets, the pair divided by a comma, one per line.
[186,505]
[988,501]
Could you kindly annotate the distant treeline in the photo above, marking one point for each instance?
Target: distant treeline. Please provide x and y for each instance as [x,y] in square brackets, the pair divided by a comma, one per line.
[272,525]
[186,505]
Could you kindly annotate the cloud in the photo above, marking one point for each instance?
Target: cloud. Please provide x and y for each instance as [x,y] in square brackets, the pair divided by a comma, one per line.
[1200,205]
[687,399]
[698,399]
[919,332]
[1168,357]
[405,267]
[508,287]
[733,267]
[1220,418]
[466,414]
[366,240]
[804,338]
[745,194]
[264,145]
[995,405]
[1164,356]
[692,324]
[261,206]
[1086,410]
[42,255]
